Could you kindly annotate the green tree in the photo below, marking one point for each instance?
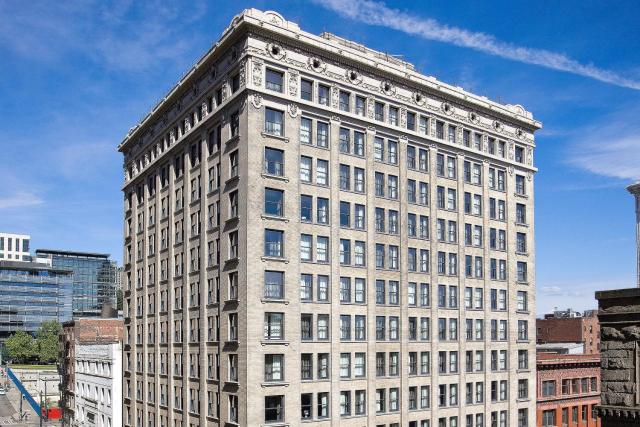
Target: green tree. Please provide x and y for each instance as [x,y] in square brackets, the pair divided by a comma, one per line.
[48,341]
[20,346]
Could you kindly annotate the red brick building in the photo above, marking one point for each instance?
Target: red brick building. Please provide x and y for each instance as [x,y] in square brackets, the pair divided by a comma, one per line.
[561,328]
[568,389]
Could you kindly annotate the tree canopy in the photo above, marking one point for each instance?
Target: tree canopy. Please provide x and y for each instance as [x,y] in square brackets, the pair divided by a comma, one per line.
[20,346]
[23,347]
[48,341]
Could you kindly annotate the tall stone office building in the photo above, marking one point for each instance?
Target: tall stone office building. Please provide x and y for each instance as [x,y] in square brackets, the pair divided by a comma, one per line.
[315,233]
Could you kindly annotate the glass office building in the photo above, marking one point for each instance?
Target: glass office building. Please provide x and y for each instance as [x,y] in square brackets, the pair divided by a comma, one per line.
[32,293]
[94,278]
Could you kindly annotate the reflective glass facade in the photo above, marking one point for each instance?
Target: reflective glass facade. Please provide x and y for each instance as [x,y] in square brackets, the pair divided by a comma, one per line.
[32,293]
[94,279]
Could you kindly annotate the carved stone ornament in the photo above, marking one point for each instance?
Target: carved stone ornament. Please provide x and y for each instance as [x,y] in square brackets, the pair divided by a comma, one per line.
[256,100]
[434,147]
[497,126]
[354,77]
[473,117]
[316,64]
[387,87]
[529,176]
[187,124]
[275,51]
[404,138]
[274,18]
[243,73]
[293,83]
[370,108]
[520,133]
[257,72]
[335,96]
[419,98]
[225,89]
[336,119]
[293,110]
[403,117]
[529,156]
[447,108]
[511,150]
[510,170]
[203,109]
[172,136]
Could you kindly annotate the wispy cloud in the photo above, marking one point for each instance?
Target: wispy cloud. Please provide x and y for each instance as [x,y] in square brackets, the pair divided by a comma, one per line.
[123,36]
[579,295]
[19,199]
[609,147]
[377,13]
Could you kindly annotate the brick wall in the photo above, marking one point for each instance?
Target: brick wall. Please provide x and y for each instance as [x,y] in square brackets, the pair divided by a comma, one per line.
[573,404]
[573,329]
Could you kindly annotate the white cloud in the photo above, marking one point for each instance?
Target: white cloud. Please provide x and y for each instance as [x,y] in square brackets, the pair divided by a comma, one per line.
[105,33]
[609,146]
[579,295]
[19,199]
[377,13]
[614,156]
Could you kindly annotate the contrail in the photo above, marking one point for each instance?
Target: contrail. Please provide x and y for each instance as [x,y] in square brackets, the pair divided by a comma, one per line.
[377,13]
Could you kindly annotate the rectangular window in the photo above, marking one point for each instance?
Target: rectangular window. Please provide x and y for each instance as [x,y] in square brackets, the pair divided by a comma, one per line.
[273,121]
[306,89]
[274,80]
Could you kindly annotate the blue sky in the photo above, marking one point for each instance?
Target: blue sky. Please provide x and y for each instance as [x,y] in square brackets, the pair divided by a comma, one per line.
[74,79]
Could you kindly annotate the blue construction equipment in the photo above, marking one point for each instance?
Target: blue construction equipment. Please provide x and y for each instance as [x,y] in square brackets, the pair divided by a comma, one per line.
[24,392]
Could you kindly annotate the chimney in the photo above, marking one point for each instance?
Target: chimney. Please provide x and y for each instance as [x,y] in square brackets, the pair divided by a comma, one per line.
[635,190]
[108,312]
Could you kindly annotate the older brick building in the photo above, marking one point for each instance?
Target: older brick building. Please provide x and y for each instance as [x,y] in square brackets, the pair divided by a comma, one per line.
[90,366]
[568,389]
[558,328]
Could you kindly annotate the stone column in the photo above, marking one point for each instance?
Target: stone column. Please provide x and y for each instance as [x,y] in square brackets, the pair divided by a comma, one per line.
[635,190]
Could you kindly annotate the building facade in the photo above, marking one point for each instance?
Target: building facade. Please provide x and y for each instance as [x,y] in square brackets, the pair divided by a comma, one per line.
[32,293]
[634,189]
[91,372]
[619,317]
[15,247]
[316,233]
[561,328]
[619,314]
[94,278]
[568,389]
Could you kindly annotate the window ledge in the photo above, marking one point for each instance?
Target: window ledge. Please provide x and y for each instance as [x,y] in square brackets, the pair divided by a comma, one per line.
[274,342]
[274,136]
[275,301]
[232,179]
[273,258]
[277,177]
[274,218]
[275,384]
[233,139]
